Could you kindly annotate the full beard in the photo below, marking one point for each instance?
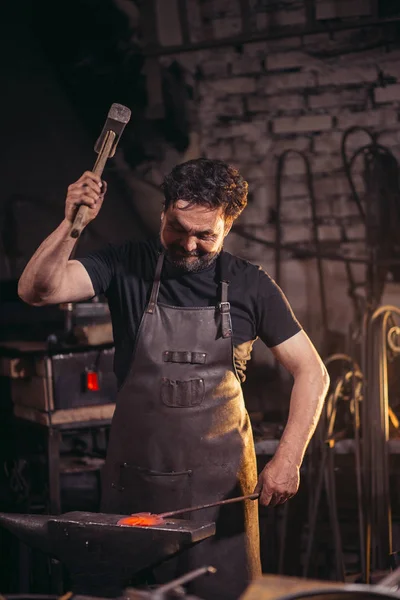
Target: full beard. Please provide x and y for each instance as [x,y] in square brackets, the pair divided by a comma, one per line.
[190,261]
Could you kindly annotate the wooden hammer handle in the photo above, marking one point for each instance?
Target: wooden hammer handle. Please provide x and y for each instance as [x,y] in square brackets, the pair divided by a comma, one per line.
[98,168]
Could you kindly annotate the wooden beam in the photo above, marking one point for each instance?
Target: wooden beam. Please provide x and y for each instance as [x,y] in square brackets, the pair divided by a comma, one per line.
[276,33]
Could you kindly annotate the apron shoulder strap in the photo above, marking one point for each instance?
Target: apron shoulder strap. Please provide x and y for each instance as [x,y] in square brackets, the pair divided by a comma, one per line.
[156,285]
[224,305]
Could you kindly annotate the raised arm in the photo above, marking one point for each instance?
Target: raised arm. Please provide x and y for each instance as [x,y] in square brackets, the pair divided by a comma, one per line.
[50,277]
[280,478]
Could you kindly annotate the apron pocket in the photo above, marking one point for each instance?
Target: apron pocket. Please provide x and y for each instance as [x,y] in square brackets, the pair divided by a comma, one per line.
[152,491]
[182,394]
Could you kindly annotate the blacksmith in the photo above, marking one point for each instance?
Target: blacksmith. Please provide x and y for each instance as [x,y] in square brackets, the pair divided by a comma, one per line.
[185,315]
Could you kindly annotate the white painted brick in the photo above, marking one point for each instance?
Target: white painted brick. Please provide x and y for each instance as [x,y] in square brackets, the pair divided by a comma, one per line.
[256,211]
[215,67]
[280,18]
[302,124]
[286,43]
[234,85]
[345,208]
[391,93]
[330,143]
[390,64]
[347,75]
[260,50]
[290,60]
[274,83]
[390,139]
[301,143]
[222,150]
[167,20]
[292,187]
[275,103]
[326,163]
[294,165]
[296,233]
[331,99]
[232,106]
[355,232]
[196,30]
[242,64]
[188,60]
[380,118]
[321,40]
[296,210]
[215,9]
[336,184]
[334,9]
[249,131]
[242,151]
[262,146]
[329,232]
[227,27]
[253,172]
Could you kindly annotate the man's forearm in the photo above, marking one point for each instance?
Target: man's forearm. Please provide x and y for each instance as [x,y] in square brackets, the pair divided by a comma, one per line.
[306,403]
[43,274]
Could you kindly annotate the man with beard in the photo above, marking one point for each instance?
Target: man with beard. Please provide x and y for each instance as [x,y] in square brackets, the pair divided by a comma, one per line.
[185,315]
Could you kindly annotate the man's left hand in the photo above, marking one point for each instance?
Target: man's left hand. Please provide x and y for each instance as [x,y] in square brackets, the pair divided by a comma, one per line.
[278,481]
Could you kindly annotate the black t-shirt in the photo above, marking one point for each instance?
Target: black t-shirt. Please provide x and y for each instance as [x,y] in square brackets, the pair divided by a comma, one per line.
[124,274]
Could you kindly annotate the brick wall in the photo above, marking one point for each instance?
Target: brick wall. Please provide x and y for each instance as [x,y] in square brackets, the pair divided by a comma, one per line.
[301,93]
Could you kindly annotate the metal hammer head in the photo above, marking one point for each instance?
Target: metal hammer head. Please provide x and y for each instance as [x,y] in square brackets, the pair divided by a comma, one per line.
[118,116]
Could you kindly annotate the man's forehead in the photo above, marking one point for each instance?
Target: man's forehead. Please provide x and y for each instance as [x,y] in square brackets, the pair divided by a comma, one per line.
[186,214]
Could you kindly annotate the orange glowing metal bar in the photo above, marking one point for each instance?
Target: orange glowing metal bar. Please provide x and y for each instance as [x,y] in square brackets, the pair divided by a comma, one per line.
[141,520]
[149,519]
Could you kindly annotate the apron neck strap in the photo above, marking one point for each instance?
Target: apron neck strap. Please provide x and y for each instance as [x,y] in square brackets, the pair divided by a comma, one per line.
[224,306]
[156,284]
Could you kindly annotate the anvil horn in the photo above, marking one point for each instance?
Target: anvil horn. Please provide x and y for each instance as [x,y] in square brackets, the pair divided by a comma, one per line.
[30,529]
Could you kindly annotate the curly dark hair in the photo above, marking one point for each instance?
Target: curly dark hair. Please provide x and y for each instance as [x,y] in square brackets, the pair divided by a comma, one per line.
[213,183]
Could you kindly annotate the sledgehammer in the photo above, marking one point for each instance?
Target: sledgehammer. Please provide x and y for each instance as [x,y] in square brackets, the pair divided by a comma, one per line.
[118,116]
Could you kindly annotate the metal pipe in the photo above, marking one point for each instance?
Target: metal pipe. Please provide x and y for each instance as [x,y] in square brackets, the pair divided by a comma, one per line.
[159,594]
[180,511]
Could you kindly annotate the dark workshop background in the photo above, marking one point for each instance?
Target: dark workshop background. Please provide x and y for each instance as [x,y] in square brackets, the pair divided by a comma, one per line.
[290,92]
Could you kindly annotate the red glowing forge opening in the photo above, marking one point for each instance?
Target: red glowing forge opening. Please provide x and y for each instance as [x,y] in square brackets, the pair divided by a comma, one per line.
[141,520]
[92,381]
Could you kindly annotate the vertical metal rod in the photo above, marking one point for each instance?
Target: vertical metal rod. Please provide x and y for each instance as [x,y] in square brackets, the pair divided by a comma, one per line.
[357,460]
[333,512]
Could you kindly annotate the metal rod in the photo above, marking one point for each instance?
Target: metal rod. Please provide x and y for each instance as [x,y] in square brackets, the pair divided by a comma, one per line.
[171,585]
[358,466]
[302,253]
[172,513]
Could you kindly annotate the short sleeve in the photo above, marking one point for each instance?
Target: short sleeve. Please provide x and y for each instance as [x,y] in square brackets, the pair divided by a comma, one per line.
[100,266]
[276,322]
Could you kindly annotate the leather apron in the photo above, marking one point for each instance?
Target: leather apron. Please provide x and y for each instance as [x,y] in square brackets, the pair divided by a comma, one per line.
[181,436]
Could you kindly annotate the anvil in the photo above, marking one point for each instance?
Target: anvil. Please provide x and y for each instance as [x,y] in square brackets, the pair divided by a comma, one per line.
[101,556]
